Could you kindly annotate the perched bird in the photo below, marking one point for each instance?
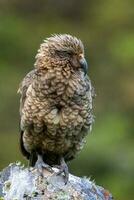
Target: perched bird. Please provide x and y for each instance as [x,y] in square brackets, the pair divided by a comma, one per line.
[56,104]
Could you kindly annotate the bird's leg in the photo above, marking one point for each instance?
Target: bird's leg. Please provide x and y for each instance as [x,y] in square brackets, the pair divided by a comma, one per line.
[40,165]
[63,168]
[32,159]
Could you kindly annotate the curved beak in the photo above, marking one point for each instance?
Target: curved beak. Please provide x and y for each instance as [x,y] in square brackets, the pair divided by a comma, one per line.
[84,65]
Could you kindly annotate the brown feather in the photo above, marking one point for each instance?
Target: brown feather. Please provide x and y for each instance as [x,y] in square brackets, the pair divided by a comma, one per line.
[56,101]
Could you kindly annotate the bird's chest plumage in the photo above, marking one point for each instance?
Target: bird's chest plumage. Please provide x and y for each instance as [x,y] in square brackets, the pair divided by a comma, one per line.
[57,112]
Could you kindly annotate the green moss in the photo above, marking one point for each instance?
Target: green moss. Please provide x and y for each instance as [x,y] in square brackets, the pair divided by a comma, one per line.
[7,185]
[62,195]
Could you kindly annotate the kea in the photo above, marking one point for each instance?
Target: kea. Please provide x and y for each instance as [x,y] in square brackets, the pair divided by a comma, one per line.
[56,104]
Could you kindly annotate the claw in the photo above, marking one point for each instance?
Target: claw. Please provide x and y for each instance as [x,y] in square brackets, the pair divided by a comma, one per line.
[57,166]
[40,165]
[63,168]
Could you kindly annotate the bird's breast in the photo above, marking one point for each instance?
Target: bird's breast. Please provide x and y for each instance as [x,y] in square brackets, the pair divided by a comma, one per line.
[57,110]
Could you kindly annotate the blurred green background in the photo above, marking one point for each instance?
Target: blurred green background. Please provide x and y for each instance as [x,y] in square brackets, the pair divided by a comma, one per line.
[106,28]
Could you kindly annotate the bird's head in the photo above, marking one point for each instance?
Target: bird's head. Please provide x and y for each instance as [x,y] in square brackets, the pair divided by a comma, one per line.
[61,50]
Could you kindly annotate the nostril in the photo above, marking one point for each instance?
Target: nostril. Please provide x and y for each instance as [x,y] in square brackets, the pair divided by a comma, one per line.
[81,56]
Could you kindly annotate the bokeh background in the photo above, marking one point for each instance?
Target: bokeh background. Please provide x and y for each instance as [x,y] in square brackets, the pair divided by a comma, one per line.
[106,28]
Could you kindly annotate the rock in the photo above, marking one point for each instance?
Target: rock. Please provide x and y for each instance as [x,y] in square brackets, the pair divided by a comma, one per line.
[18,183]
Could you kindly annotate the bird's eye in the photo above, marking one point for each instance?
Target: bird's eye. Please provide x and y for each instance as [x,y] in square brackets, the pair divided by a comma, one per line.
[63,53]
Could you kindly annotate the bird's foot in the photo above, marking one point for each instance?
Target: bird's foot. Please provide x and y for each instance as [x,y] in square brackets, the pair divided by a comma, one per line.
[40,165]
[63,168]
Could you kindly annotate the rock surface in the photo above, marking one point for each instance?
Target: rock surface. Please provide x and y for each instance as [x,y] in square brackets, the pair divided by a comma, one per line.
[18,183]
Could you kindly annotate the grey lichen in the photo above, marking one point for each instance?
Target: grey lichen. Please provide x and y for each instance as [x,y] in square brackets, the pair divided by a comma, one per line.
[18,183]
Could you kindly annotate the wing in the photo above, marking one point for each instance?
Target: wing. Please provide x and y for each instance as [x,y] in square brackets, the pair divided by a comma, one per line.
[24,85]
[27,81]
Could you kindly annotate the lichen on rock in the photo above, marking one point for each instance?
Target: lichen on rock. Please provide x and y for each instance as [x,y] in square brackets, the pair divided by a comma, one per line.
[18,183]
